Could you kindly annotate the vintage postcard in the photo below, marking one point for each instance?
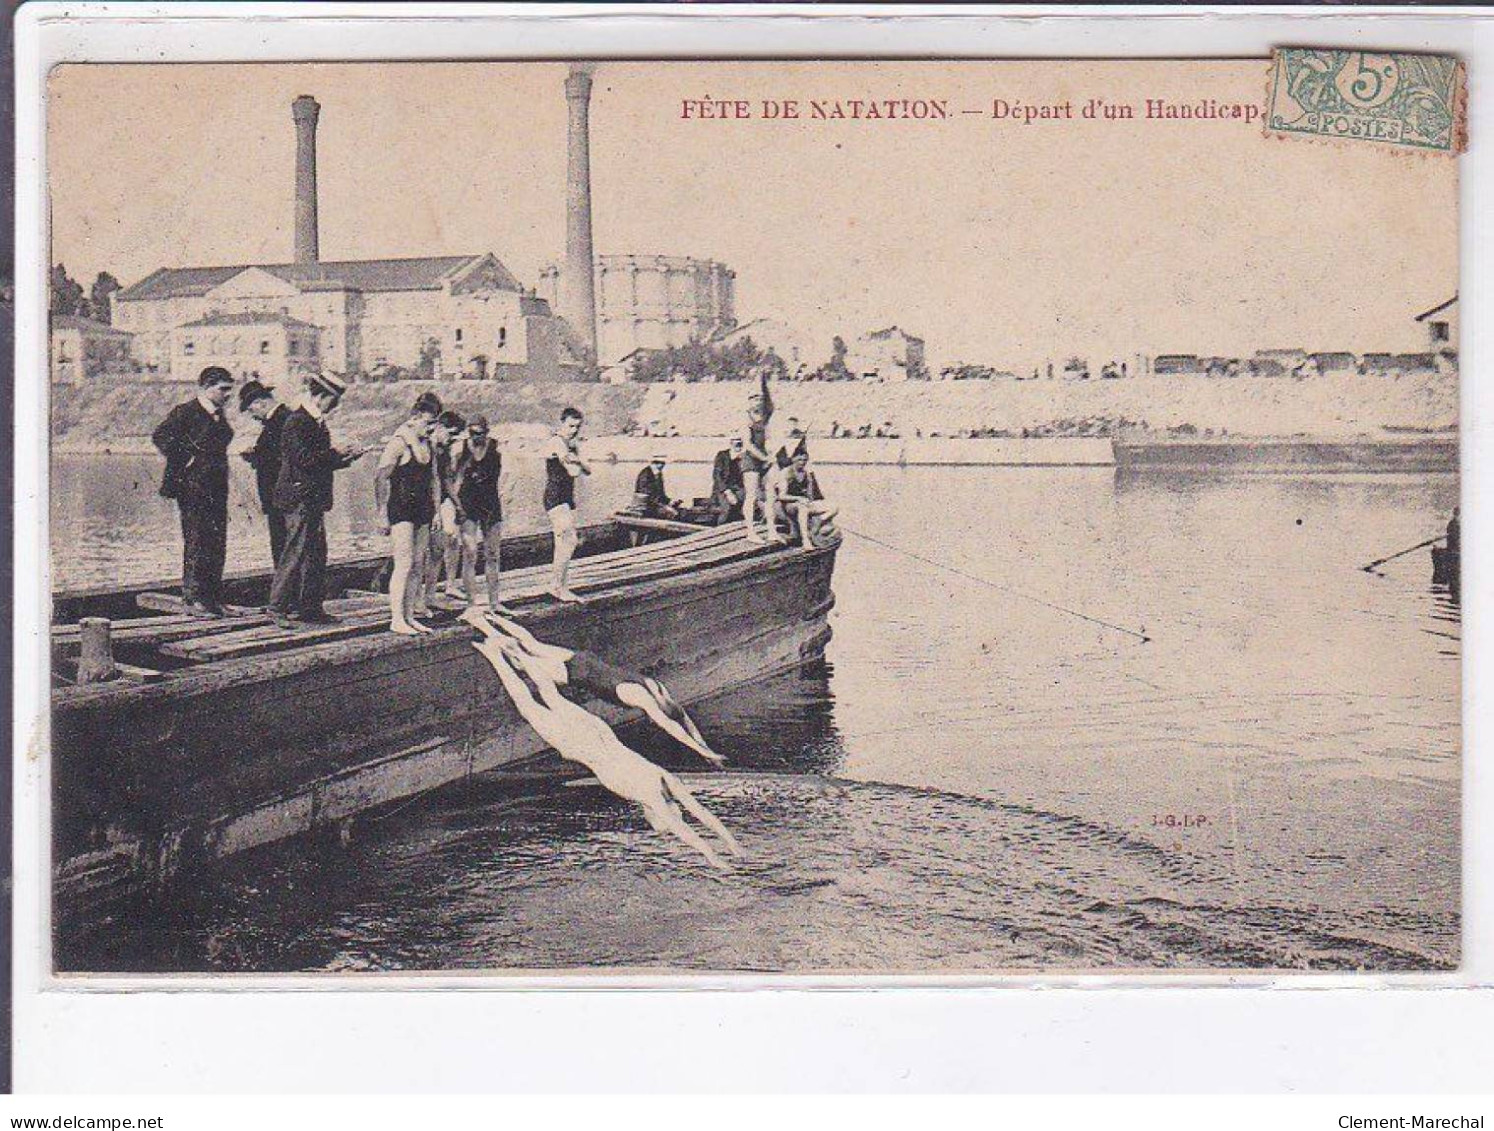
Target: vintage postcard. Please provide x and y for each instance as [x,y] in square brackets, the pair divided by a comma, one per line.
[778,517]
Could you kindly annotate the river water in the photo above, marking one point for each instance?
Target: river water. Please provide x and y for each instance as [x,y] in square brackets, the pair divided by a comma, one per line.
[972,781]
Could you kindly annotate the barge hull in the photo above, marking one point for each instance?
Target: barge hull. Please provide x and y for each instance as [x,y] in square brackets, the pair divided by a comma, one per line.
[152,782]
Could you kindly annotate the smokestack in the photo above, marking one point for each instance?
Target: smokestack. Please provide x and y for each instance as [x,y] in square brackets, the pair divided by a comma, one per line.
[304,111]
[578,302]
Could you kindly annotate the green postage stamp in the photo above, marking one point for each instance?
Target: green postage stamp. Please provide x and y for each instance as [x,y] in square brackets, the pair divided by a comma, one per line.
[1395,98]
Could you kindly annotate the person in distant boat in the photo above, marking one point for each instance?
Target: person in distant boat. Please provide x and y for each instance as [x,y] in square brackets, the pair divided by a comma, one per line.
[589,673]
[1455,534]
[445,550]
[479,504]
[303,491]
[649,493]
[803,504]
[194,438]
[726,483]
[260,403]
[756,461]
[563,465]
[579,736]
[405,493]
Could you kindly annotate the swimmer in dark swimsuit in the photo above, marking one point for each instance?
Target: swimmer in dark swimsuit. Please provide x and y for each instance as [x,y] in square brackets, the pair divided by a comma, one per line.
[588,672]
[563,464]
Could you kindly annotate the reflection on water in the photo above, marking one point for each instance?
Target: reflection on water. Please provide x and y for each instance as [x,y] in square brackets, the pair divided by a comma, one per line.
[974,780]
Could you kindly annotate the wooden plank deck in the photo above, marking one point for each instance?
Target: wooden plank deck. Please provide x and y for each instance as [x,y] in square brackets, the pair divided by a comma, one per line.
[365,615]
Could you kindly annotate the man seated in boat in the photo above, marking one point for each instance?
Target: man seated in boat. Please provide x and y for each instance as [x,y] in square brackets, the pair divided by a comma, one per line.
[579,736]
[649,494]
[589,673]
[726,483]
[802,503]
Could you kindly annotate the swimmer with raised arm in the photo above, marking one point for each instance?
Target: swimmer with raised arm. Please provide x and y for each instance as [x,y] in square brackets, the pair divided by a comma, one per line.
[579,736]
[588,672]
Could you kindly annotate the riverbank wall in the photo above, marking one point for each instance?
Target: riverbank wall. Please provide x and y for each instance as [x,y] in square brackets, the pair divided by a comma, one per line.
[932,420]
[1328,406]
[120,417]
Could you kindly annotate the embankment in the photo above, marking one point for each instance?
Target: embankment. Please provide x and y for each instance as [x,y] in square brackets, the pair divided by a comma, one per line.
[1242,406]
[121,416]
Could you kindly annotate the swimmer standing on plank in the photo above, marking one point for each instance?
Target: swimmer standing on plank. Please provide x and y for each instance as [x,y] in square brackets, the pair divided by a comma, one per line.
[579,736]
[563,464]
[588,672]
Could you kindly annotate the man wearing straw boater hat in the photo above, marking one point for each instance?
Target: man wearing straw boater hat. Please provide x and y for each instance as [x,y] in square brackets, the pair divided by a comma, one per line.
[303,493]
[194,439]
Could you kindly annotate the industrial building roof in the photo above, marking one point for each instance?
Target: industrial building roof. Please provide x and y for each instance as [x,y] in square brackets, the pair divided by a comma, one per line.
[250,319]
[428,273]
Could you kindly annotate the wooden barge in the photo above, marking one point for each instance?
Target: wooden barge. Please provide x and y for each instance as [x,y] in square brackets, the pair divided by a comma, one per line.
[218,736]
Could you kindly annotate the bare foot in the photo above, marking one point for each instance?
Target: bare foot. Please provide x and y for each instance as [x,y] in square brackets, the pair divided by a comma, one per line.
[561,593]
[401,628]
[422,629]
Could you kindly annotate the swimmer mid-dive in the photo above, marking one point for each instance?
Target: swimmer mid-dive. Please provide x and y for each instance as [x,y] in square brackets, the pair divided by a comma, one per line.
[578,735]
[588,672]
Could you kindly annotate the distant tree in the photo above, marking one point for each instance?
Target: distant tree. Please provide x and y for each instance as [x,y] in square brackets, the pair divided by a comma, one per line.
[101,297]
[836,368]
[67,293]
[741,360]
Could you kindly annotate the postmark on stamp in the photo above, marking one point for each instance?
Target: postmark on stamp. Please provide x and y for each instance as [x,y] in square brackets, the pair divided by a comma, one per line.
[1394,98]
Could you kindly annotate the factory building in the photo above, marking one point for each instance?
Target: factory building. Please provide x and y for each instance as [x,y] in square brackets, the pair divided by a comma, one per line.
[649,302]
[445,316]
[432,317]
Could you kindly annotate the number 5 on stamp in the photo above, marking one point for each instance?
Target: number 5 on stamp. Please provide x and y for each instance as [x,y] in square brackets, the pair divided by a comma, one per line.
[1398,99]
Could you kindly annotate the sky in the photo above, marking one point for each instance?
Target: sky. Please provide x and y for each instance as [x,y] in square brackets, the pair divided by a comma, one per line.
[999,242]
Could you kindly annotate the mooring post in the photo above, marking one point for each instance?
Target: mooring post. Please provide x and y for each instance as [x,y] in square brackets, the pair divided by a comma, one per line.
[96,655]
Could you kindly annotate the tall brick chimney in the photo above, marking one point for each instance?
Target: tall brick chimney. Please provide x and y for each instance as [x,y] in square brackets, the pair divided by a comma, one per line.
[304,111]
[578,302]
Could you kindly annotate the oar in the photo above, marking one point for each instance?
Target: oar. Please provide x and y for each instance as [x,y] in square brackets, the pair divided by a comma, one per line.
[1409,549]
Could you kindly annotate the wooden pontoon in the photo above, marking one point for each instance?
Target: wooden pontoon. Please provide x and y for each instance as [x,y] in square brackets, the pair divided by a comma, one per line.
[211,737]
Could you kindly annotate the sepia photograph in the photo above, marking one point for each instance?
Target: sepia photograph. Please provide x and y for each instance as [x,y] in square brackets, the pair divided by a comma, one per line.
[779,518]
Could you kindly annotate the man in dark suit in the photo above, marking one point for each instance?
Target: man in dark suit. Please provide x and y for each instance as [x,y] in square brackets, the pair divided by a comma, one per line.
[303,493]
[194,439]
[649,493]
[264,457]
[726,483]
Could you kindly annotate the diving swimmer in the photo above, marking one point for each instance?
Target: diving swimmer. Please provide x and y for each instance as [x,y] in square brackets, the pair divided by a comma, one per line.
[588,672]
[579,736]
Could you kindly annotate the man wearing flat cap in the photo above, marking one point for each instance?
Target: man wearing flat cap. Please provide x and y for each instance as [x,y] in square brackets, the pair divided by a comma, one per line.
[260,403]
[194,438]
[303,493]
